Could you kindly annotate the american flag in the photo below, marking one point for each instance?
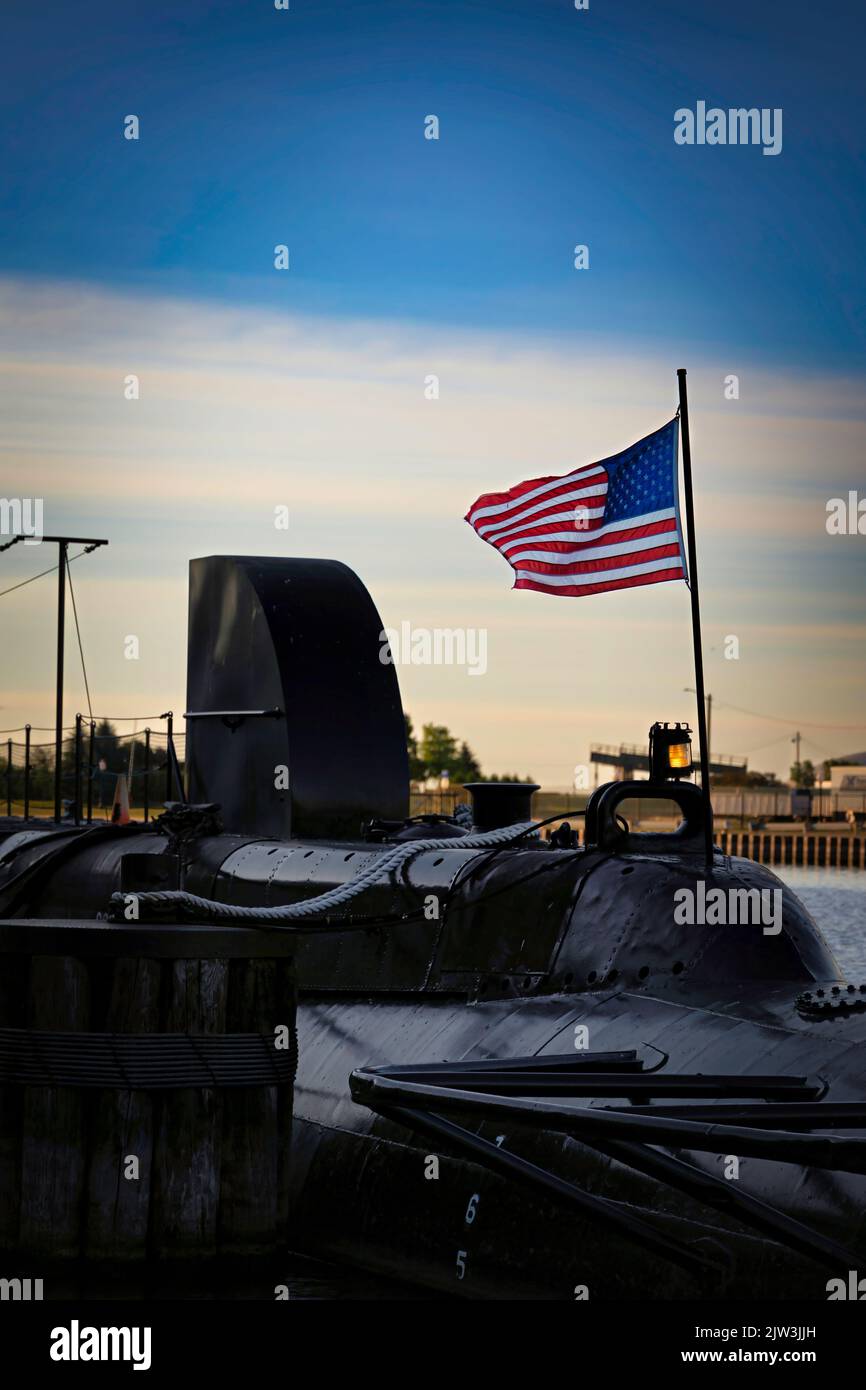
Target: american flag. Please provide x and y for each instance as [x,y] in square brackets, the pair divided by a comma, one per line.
[608,525]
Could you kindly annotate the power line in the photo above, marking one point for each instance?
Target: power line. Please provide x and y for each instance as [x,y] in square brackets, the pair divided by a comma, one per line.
[41,575]
[127,718]
[822,752]
[37,729]
[78,635]
[792,723]
[98,719]
[761,746]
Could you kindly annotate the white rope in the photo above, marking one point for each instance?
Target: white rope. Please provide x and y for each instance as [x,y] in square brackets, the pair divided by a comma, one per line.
[379,868]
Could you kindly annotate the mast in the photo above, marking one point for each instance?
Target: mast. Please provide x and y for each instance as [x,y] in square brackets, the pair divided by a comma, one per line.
[696,618]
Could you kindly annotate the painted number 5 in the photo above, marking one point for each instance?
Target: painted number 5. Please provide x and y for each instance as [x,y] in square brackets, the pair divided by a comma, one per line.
[461,1263]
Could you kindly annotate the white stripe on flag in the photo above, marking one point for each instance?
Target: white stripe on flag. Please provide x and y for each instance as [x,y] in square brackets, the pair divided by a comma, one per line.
[604,552]
[670,562]
[590,538]
[592,471]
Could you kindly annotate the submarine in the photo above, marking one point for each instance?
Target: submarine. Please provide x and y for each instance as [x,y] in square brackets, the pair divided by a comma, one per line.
[516,1067]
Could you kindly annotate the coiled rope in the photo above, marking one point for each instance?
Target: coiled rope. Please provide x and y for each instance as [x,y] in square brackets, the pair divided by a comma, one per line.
[344,893]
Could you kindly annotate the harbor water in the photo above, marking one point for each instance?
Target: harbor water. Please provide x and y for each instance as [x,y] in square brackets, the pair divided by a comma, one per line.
[836,899]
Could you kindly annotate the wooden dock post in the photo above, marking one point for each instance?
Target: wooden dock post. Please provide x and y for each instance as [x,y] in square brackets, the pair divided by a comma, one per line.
[146,1089]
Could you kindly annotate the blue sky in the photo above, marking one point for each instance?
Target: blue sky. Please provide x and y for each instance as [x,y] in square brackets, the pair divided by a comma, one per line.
[306,127]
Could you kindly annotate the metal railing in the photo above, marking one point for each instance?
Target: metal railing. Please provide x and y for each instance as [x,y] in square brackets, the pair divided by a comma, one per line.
[636,750]
[91,763]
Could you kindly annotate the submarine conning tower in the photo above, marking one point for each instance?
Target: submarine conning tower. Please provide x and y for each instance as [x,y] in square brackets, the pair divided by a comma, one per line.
[297,818]
[294,724]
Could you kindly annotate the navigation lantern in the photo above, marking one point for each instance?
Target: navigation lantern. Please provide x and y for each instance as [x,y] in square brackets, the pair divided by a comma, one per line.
[670,752]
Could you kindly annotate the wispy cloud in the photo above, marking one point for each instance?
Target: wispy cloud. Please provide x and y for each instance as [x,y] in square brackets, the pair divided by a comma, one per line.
[242,410]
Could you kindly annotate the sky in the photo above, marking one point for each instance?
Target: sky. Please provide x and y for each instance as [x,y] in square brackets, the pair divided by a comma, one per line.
[304,388]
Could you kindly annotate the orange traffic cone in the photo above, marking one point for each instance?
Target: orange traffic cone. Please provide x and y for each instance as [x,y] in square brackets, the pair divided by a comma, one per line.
[120,806]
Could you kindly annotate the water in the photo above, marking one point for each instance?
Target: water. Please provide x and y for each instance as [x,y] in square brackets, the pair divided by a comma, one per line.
[836,899]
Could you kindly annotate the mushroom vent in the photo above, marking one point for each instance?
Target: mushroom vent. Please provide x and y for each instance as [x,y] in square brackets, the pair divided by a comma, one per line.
[495,804]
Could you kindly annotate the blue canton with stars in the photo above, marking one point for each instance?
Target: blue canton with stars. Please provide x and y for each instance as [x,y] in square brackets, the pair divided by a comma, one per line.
[643,478]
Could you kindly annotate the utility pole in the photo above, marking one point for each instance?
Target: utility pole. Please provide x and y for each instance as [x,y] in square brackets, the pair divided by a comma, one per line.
[62,553]
[709,728]
[690,690]
[796,739]
[63,543]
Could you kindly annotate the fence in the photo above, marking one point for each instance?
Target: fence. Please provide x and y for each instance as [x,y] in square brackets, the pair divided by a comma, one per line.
[91,762]
[833,851]
[437,803]
[152,760]
[772,805]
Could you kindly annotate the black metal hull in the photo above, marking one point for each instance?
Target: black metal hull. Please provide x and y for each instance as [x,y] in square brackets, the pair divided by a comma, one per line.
[360,1194]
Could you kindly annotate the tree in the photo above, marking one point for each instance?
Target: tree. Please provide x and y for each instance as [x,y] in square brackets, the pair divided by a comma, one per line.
[416,767]
[109,759]
[736,778]
[803,774]
[107,747]
[438,749]
[466,768]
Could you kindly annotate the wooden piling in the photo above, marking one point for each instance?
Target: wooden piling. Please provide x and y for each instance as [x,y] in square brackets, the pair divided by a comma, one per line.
[116,1220]
[146,1111]
[53,1159]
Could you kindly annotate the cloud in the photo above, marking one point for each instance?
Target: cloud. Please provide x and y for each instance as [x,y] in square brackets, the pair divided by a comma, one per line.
[243,409]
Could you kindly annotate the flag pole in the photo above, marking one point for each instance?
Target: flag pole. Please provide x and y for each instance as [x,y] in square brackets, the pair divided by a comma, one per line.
[696,618]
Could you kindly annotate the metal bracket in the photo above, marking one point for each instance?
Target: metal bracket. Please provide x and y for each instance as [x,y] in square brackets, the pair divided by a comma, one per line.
[234,718]
[494,1090]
